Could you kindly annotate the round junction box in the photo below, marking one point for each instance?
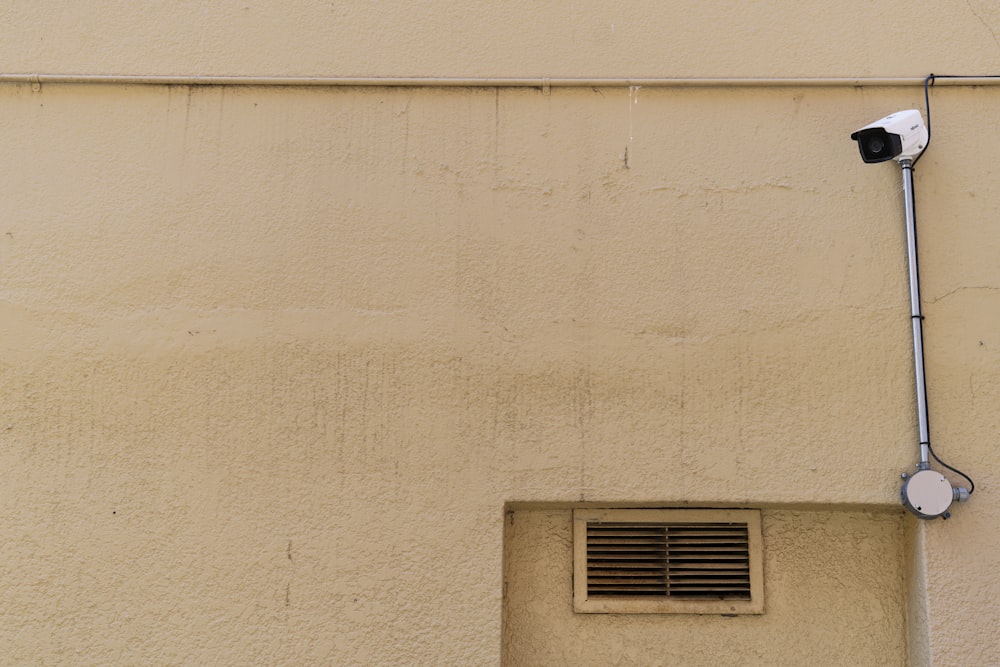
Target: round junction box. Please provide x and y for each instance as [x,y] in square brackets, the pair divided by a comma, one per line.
[927,494]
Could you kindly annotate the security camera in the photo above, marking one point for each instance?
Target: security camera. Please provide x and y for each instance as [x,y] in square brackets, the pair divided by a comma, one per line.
[901,135]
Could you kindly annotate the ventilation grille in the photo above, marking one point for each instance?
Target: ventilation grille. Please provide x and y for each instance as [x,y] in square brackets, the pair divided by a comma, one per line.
[678,560]
[667,561]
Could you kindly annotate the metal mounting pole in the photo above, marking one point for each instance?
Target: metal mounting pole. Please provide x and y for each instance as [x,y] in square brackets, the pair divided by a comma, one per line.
[926,493]
[915,316]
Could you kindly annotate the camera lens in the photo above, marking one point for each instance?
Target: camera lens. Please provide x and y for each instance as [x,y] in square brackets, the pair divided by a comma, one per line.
[875,145]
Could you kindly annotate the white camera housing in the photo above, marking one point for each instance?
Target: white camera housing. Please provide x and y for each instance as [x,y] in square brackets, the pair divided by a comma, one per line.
[900,136]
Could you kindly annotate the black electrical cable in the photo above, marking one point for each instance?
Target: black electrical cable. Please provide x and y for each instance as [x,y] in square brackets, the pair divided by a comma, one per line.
[928,82]
[972,485]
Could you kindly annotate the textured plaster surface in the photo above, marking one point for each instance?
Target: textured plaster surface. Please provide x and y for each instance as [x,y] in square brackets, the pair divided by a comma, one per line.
[917,620]
[395,37]
[834,593]
[957,213]
[272,361]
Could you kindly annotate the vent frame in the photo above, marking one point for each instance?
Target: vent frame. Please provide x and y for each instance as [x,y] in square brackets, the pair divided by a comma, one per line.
[587,600]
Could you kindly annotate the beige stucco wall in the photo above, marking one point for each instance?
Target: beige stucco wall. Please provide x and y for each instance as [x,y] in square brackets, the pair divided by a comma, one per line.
[835,596]
[275,360]
[591,38]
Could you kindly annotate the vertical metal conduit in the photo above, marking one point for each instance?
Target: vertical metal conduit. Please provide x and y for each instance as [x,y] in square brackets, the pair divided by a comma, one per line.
[915,316]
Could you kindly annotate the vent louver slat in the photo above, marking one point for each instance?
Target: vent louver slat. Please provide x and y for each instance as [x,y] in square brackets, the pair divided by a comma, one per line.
[626,559]
[667,561]
[674,560]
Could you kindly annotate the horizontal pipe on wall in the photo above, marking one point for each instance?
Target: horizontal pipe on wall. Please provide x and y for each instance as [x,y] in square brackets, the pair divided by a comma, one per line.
[488,82]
